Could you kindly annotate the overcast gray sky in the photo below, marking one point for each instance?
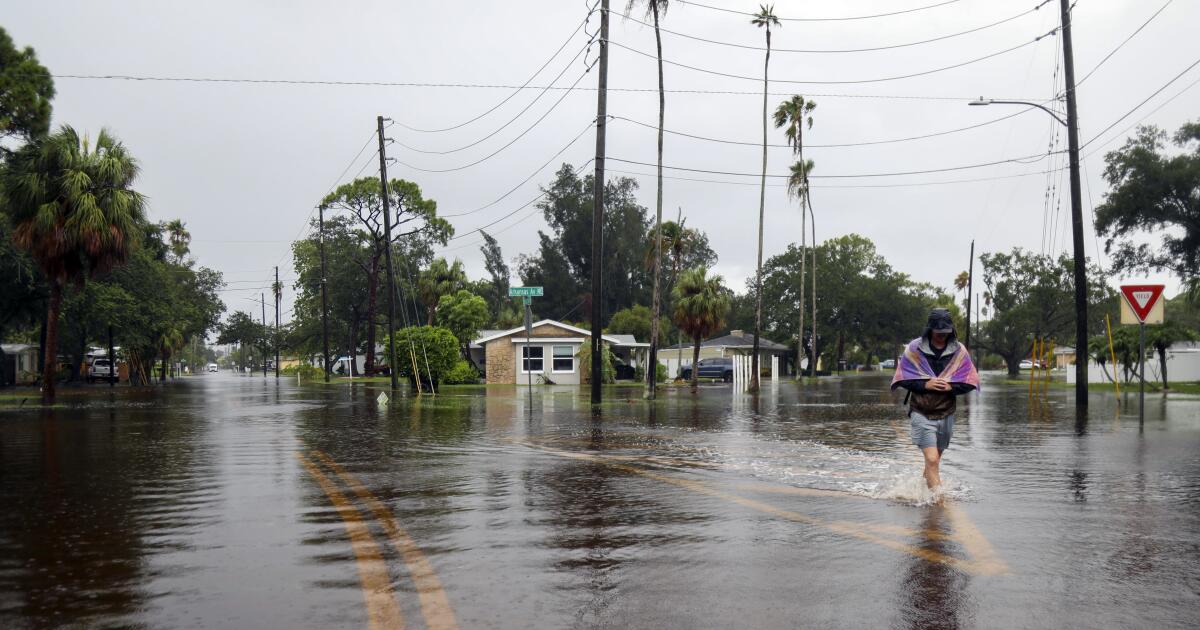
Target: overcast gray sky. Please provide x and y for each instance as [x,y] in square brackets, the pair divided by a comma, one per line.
[243,164]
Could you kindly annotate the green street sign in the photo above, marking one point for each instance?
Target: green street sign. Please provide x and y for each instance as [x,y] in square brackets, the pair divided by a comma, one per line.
[525,292]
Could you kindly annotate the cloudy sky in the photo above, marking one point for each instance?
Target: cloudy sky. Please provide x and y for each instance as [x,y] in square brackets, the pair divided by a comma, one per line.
[244,163]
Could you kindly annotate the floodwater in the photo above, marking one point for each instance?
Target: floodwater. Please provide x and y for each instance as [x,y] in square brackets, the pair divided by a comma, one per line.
[239,502]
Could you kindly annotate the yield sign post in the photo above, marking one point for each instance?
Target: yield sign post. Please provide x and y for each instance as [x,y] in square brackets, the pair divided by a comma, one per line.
[1142,304]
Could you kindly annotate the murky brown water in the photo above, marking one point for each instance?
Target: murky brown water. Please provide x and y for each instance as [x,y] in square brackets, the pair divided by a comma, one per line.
[214,503]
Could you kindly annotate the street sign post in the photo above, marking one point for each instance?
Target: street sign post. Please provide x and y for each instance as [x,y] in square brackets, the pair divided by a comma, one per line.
[1142,304]
[527,294]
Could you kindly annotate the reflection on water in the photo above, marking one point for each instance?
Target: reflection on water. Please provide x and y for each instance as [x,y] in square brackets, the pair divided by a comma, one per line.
[802,507]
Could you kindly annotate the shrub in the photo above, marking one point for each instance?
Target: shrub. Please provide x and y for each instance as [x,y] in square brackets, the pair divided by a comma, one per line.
[607,361]
[463,373]
[307,372]
[435,350]
[660,375]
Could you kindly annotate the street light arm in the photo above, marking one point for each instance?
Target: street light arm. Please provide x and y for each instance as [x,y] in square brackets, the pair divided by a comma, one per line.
[1052,113]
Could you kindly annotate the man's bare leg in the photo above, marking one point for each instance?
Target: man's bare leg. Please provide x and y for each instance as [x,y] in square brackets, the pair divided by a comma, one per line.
[933,459]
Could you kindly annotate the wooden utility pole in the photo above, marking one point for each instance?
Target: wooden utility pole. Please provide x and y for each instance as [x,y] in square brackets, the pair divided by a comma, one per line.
[1081,305]
[278,290]
[970,279]
[324,299]
[387,231]
[263,300]
[598,208]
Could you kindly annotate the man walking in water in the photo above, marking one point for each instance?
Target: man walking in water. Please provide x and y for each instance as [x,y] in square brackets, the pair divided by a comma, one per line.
[935,369]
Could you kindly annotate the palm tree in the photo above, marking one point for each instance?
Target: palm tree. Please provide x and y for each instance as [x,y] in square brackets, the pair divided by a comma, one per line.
[765,18]
[653,9]
[441,278]
[795,114]
[75,213]
[797,187]
[701,304]
[179,239]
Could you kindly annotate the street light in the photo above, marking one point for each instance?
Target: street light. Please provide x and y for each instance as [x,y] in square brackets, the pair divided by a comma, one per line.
[1081,307]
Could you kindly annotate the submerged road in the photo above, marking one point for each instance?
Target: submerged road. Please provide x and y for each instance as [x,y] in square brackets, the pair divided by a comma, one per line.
[235,502]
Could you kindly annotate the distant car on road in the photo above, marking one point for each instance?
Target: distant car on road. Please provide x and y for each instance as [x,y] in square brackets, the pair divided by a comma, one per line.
[101,370]
[212,367]
[889,364]
[716,367]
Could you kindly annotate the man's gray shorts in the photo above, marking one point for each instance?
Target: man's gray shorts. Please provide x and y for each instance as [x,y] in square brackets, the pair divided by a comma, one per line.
[926,432]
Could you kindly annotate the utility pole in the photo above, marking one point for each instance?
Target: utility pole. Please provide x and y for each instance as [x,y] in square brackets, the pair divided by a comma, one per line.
[598,206]
[970,280]
[112,361]
[324,299]
[278,289]
[263,299]
[1081,306]
[387,231]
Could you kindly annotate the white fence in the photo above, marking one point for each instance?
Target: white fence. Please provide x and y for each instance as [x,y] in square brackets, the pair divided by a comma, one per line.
[1183,366]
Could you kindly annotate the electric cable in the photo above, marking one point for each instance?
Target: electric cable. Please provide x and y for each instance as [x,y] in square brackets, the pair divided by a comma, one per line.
[522,207]
[497,151]
[1021,160]
[515,91]
[829,19]
[843,82]
[526,180]
[510,121]
[819,51]
[825,146]
[1122,44]
[838,186]
[1144,101]
[1140,120]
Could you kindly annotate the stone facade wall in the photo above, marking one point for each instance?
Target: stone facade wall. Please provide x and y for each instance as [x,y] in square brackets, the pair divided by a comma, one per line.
[502,358]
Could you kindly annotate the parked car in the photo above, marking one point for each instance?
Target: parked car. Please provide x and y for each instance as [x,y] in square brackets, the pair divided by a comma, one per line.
[889,364]
[1029,364]
[716,367]
[212,367]
[101,370]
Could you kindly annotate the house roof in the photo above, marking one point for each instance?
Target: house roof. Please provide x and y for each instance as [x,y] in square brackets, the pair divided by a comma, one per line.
[16,347]
[735,341]
[499,334]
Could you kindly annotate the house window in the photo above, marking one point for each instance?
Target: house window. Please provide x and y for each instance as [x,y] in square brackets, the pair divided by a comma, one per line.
[564,359]
[531,358]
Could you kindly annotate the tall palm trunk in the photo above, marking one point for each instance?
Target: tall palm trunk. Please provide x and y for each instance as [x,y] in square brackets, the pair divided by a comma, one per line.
[50,351]
[803,256]
[652,366]
[813,217]
[695,363]
[762,204]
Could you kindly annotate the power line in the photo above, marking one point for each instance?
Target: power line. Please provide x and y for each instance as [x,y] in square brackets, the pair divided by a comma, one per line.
[497,151]
[826,146]
[1144,101]
[842,186]
[498,86]
[1021,160]
[531,202]
[526,180]
[516,90]
[829,19]
[1139,121]
[1122,44]
[899,77]
[841,50]
[511,120]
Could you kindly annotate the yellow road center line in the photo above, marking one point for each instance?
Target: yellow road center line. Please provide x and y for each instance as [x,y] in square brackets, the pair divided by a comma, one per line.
[855,530]
[382,609]
[435,606]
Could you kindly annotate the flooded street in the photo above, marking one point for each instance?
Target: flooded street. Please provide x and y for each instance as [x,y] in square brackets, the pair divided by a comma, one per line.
[227,502]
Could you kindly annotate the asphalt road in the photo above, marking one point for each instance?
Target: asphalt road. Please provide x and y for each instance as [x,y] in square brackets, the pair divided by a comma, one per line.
[236,502]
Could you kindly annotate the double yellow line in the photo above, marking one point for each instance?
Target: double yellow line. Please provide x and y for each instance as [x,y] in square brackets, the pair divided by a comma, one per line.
[383,611]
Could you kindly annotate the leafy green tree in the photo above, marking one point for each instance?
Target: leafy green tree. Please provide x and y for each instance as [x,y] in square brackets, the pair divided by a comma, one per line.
[241,328]
[563,262]
[493,261]
[75,212]
[765,19]
[635,321]
[463,313]
[1032,296]
[1154,193]
[346,287]
[700,305]
[26,89]
[415,229]
[608,362]
[440,279]
[22,291]
[433,350]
